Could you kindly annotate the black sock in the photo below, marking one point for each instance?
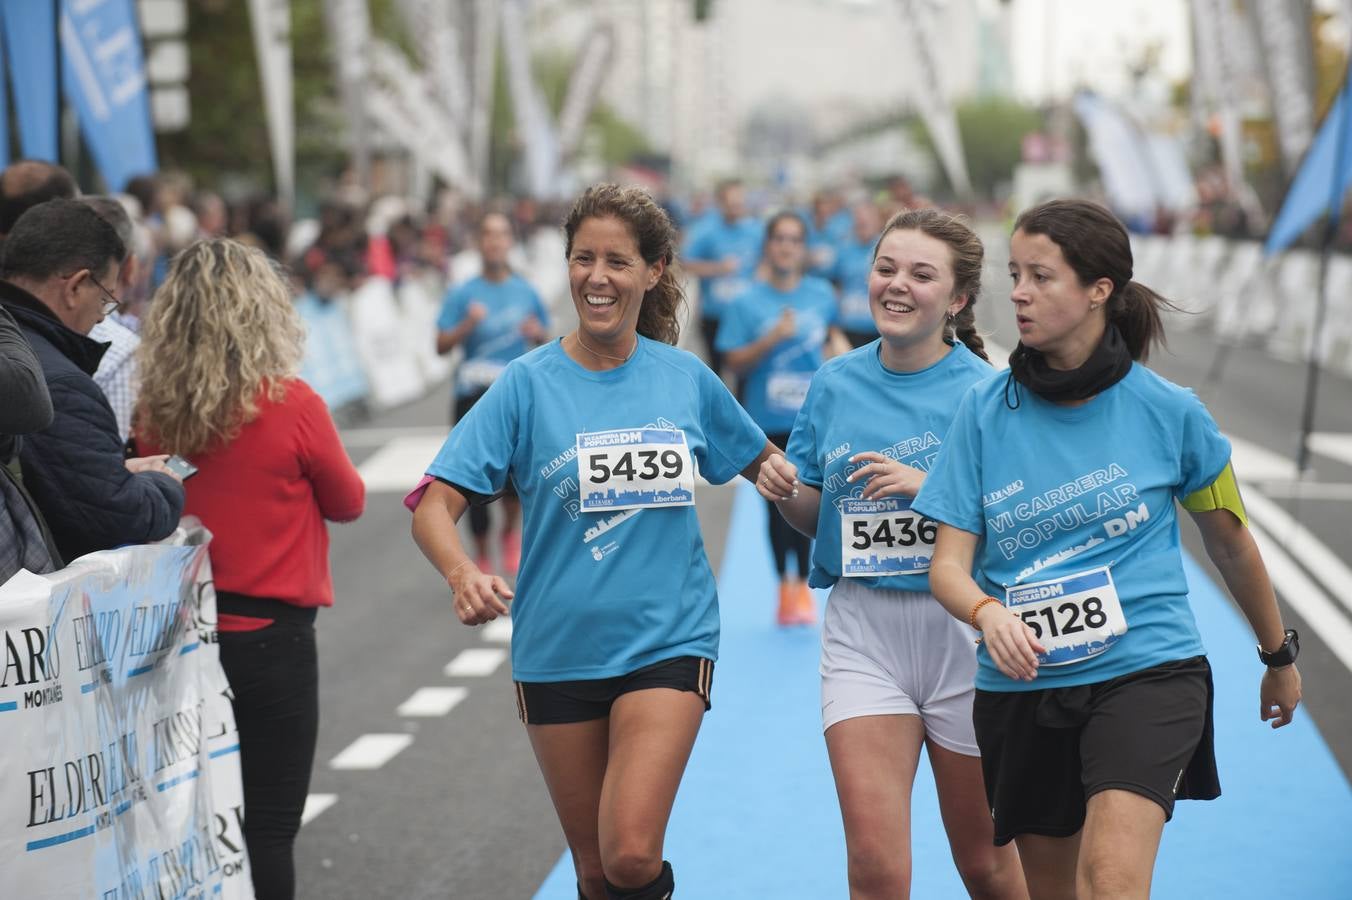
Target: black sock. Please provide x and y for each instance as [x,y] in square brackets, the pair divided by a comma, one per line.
[660,888]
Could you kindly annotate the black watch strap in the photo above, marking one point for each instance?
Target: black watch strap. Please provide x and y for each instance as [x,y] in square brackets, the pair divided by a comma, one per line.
[1283,655]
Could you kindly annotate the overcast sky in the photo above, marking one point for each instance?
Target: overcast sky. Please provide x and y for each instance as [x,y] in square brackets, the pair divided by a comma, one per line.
[1058,44]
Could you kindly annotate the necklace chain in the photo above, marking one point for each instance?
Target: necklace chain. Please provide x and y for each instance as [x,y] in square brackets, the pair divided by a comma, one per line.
[577,335]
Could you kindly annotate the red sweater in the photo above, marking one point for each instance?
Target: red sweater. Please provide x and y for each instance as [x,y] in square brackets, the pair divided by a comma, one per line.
[265,497]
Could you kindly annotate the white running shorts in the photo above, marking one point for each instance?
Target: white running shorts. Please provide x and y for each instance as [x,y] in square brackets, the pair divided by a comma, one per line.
[890,652]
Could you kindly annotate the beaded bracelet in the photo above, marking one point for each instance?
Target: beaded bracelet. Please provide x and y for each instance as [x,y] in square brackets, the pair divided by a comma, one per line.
[971,618]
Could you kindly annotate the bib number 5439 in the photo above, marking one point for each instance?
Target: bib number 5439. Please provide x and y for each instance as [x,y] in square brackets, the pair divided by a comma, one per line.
[636,465]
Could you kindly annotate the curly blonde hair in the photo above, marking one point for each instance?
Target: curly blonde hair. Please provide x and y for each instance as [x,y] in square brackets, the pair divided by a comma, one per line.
[220,330]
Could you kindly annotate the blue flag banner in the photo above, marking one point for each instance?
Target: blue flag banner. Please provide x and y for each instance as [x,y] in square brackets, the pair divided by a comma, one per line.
[1321,181]
[103,72]
[4,114]
[30,45]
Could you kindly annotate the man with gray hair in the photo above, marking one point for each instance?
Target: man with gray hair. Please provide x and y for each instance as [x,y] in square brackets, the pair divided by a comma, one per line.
[55,271]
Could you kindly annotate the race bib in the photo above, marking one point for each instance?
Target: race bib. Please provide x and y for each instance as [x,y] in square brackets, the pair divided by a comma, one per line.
[634,468]
[1075,618]
[479,374]
[786,391]
[729,288]
[884,537]
[854,306]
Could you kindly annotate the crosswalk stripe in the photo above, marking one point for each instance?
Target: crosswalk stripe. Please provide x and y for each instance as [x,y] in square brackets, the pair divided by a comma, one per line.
[476,662]
[316,804]
[400,463]
[433,701]
[498,631]
[371,751]
[1334,446]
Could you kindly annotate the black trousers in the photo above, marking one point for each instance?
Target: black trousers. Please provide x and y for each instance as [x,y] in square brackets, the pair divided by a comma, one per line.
[274,675]
[478,513]
[708,329]
[784,538]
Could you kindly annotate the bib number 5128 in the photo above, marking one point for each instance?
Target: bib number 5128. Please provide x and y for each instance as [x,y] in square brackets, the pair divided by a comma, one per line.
[1071,617]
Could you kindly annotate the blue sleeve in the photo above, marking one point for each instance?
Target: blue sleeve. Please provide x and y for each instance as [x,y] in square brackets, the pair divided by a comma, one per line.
[452,309]
[541,312]
[951,492]
[732,438]
[478,453]
[736,329]
[802,447]
[1204,451]
[698,245]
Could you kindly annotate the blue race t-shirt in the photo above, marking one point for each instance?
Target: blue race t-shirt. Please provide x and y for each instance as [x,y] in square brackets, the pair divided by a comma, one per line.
[601,594]
[854,263]
[715,240]
[497,339]
[775,388]
[1075,503]
[857,404]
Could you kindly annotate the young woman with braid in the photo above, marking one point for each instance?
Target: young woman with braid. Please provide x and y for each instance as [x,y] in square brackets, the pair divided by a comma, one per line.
[615,616]
[896,669]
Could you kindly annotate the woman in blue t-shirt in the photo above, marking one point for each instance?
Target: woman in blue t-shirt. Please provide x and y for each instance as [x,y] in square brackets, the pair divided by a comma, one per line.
[615,616]
[896,668]
[1060,482]
[773,337]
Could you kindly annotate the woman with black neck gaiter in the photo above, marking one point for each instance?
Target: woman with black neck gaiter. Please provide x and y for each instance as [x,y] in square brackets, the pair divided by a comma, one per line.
[1057,488]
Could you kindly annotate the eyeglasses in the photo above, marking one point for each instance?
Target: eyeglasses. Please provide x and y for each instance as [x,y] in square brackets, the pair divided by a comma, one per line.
[110,302]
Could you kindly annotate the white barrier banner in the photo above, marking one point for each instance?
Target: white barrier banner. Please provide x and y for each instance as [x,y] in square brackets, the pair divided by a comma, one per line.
[119,752]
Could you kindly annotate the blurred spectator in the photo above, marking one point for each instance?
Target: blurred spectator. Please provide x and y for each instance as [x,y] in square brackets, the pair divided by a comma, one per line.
[117,374]
[24,540]
[58,262]
[271,470]
[212,216]
[27,183]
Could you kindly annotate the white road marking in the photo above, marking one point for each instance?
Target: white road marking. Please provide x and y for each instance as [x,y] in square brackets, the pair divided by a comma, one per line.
[1334,446]
[399,464]
[1306,598]
[476,662]
[1300,543]
[1253,462]
[432,701]
[498,631]
[378,437]
[1309,490]
[316,804]
[371,751]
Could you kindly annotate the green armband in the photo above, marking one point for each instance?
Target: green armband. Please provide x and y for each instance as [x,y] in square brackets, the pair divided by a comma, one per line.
[1223,493]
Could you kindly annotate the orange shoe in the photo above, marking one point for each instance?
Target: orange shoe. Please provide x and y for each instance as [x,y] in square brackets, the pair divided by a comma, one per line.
[804,607]
[786,604]
[511,552]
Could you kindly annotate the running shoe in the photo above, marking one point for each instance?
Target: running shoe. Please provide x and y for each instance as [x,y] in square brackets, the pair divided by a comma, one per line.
[786,604]
[511,552]
[804,608]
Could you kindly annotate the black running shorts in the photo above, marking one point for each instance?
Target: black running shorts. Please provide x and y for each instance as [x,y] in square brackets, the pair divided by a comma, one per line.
[1045,753]
[560,702]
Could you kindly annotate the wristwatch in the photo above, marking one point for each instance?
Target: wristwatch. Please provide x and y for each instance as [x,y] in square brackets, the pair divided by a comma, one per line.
[1283,655]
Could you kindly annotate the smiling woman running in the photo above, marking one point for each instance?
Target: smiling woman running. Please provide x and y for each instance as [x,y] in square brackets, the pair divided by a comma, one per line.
[615,618]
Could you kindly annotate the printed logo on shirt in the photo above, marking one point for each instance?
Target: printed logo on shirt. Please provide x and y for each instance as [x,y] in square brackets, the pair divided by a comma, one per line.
[836,453]
[1102,496]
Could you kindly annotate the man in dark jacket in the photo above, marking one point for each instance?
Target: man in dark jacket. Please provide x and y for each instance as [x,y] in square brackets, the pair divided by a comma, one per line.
[24,543]
[57,263]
